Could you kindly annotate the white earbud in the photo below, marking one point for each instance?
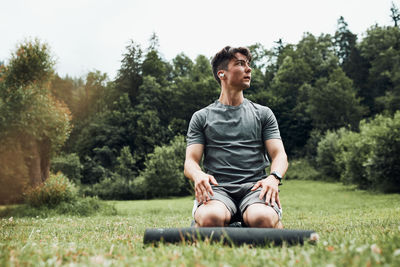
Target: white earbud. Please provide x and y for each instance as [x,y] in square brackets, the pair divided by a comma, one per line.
[221,75]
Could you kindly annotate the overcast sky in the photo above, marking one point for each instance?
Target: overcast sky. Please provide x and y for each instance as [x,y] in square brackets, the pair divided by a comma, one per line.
[87,35]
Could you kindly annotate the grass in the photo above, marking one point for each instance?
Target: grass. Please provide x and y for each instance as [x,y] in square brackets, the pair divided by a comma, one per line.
[356,228]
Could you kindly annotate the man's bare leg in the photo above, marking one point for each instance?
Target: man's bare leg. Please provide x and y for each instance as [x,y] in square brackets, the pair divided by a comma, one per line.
[261,216]
[212,214]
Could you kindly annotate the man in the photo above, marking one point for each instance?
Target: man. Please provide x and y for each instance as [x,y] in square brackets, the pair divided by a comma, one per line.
[234,133]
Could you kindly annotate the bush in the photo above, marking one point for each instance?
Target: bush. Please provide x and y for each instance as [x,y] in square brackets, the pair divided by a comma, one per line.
[368,159]
[382,165]
[68,164]
[310,149]
[56,189]
[301,169]
[57,195]
[163,175]
[354,149]
[113,187]
[327,154]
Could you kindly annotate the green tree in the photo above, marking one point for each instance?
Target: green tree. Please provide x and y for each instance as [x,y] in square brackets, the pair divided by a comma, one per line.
[182,66]
[345,41]
[92,97]
[352,62]
[381,48]
[32,120]
[285,88]
[129,76]
[332,103]
[395,14]
[126,164]
[153,65]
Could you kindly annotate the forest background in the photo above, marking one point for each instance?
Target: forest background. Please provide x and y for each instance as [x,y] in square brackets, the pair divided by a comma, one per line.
[336,99]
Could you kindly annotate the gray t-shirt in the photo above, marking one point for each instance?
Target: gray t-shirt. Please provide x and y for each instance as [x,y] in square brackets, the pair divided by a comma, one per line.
[233,137]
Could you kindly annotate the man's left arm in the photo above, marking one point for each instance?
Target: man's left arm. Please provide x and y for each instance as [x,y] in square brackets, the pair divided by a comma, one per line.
[279,164]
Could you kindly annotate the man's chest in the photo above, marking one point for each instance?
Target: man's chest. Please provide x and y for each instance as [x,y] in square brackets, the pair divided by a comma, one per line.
[236,126]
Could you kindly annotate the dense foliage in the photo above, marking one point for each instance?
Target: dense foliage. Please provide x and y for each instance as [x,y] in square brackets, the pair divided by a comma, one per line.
[368,158]
[55,190]
[124,135]
[315,87]
[33,123]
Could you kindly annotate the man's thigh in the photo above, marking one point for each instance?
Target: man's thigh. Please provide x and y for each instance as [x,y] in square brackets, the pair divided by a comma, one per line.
[252,198]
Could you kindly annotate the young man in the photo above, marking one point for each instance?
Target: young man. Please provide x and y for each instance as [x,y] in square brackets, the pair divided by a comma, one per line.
[234,134]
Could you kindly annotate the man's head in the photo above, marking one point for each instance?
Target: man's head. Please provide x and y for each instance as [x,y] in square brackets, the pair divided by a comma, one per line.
[222,58]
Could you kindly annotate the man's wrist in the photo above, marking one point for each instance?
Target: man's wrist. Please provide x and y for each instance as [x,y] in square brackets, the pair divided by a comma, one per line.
[272,178]
[197,175]
[277,176]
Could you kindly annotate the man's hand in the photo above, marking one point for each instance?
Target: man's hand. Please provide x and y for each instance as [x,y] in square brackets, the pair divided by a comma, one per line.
[269,189]
[202,186]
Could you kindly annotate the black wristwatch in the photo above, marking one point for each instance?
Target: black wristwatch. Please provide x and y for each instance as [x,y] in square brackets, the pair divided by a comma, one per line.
[277,176]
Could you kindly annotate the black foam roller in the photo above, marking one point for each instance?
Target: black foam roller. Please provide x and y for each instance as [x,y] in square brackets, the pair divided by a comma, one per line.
[229,235]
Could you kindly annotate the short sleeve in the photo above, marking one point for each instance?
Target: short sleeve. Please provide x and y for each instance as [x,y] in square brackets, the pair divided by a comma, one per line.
[270,128]
[195,134]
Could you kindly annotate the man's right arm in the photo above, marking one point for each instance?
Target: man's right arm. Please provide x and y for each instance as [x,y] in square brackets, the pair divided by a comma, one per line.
[193,171]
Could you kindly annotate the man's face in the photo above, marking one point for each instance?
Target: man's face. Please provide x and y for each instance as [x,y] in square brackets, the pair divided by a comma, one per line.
[238,74]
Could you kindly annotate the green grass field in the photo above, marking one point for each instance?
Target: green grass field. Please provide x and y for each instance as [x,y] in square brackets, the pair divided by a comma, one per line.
[356,228]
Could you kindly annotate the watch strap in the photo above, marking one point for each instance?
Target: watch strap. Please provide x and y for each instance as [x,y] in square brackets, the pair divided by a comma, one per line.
[278,176]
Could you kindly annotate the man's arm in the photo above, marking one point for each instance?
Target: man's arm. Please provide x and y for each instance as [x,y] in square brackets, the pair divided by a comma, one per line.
[279,164]
[193,171]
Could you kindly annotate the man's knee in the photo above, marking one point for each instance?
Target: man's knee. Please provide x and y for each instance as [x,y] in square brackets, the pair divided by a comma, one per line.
[211,219]
[212,215]
[262,221]
[262,216]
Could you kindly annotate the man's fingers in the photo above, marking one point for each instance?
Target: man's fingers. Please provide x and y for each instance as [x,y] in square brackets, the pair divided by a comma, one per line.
[257,185]
[203,192]
[262,193]
[278,201]
[212,180]
[209,189]
[268,197]
[273,200]
[197,195]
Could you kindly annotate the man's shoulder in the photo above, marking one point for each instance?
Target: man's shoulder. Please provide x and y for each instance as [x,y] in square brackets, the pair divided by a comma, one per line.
[263,110]
[203,112]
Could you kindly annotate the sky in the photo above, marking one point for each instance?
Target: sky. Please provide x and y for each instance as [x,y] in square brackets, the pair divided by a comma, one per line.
[89,35]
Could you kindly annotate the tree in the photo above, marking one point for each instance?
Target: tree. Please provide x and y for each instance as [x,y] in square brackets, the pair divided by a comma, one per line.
[91,97]
[129,76]
[283,100]
[154,65]
[353,64]
[332,103]
[182,66]
[395,14]
[381,48]
[345,41]
[32,120]
[63,90]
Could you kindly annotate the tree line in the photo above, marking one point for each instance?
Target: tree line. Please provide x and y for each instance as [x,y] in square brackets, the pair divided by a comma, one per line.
[124,138]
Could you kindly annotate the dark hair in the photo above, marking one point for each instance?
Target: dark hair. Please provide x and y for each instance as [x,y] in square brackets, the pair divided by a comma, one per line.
[221,59]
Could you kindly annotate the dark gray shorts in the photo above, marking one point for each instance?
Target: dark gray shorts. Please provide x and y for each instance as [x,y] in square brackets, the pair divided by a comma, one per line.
[237,197]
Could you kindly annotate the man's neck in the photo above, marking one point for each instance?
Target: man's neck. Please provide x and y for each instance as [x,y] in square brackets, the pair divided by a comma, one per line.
[231,97]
